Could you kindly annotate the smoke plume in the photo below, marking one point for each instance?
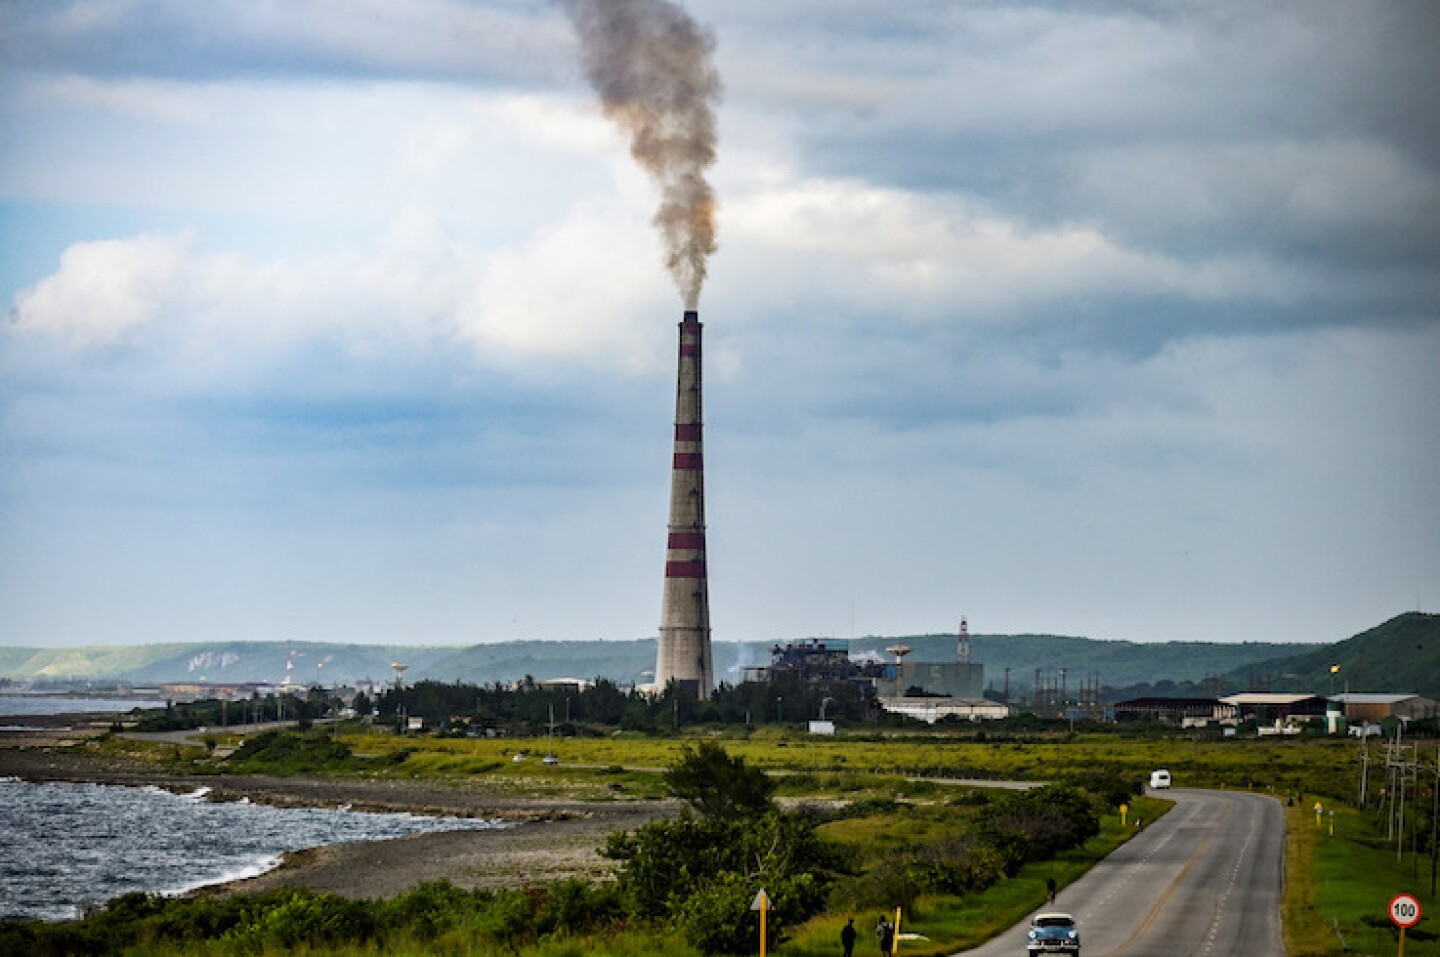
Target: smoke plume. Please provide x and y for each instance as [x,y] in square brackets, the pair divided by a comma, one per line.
[650,64]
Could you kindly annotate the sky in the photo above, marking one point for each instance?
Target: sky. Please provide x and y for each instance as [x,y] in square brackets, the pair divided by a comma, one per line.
[346,321]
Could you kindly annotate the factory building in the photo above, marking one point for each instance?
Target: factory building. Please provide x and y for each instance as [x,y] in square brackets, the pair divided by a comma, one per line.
[1374,708]
[927,690]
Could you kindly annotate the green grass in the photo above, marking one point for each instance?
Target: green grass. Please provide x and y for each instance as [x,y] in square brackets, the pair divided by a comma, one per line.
[844,765]
[1341,884]
[1338,888]
[958,923]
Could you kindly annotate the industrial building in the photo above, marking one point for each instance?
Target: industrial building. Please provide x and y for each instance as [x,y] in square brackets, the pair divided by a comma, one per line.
[1374,708]
[1182,712]
[1279,708]
[927,690]
[815,662]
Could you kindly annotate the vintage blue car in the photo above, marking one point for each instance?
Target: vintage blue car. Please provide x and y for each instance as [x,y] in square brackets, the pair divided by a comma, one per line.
[1053,934]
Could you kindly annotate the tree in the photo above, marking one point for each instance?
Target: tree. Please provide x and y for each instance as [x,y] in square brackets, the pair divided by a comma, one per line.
[718,785]
[701,872]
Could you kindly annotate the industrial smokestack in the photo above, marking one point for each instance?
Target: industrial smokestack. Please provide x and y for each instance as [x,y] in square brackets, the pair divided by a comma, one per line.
[684,652]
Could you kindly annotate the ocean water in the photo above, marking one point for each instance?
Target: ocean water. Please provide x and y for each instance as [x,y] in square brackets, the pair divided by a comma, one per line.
[65,845]
[31,705]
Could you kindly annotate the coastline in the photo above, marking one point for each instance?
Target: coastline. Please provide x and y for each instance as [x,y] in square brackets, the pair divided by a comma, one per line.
[548,840]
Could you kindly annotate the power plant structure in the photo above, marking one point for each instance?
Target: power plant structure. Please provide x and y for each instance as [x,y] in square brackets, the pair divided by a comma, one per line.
[683,656]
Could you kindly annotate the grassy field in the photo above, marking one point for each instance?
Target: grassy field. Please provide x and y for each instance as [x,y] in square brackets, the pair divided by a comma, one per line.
[1337,888]
[846,764]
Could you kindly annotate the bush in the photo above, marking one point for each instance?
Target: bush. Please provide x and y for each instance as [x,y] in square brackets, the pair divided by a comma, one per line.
[430,909]
[1111,785]
[282,752]
[891,882]
[574,906]
[867,807]
[1050,819]
[306,917]
[718,785]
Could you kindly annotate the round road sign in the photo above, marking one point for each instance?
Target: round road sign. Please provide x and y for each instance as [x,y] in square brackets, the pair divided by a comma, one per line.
[1405,910]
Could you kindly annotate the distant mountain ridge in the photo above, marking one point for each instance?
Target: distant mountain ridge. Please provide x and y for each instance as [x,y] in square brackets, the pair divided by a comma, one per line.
[1115,663]
[1400,655]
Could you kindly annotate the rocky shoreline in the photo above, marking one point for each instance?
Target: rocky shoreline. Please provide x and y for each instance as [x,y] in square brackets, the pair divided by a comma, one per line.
[546,840]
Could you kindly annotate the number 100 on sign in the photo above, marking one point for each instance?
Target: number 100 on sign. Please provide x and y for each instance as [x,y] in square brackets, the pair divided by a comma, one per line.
[1405,910]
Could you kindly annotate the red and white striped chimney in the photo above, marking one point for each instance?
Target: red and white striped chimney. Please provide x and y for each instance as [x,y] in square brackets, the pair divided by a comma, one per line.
[684,651]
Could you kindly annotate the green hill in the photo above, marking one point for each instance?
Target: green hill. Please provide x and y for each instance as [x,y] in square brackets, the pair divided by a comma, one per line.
[1402,655]
[626,662]
[1115,663]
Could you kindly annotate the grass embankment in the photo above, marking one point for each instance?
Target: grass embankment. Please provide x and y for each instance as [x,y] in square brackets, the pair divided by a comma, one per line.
[1339,887]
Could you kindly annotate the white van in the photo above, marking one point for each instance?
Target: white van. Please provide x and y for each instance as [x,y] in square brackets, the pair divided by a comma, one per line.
[1160,779]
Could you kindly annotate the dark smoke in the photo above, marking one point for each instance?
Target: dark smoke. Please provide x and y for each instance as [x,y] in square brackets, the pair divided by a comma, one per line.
[650,63]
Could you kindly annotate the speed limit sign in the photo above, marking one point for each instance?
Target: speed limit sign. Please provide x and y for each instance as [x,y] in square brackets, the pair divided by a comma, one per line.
[1405,911]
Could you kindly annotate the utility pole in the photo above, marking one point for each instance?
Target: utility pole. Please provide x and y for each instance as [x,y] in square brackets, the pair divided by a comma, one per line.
[1434,814]
[1364,765]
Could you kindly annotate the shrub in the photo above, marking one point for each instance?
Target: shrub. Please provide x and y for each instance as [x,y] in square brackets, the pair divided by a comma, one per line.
[1111,785]
[306,917]
[282,752]
[429,909]
[716,784]
[575,906]
[1050,819]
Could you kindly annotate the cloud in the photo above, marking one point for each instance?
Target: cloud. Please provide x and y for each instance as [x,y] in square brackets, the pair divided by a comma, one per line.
[1069,315]
[582,291]
[105,290]
[423,39]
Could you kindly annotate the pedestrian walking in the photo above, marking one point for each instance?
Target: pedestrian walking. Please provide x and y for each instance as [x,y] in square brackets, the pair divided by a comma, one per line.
[1049,890]
[885,931]
[847,937]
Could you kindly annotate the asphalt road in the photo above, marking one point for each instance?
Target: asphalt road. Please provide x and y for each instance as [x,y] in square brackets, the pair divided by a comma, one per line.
[1202,881]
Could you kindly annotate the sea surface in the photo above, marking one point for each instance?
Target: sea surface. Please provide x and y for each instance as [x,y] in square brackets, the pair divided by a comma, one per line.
[63,845]
[30,705]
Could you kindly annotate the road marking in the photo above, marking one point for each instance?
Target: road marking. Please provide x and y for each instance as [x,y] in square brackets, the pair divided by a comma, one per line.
[1154,913]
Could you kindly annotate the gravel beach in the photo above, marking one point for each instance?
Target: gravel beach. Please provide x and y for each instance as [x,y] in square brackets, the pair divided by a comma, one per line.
[549,839]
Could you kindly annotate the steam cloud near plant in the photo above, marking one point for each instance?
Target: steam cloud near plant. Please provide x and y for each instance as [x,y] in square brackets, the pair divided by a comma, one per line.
[651,65]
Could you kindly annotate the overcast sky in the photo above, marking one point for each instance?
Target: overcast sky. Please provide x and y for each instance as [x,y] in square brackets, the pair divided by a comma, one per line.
[344,320]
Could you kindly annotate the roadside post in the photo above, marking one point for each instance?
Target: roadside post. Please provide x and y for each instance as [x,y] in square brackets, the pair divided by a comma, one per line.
[1319,811]
[763,905]
[1124,809]
[1404,912]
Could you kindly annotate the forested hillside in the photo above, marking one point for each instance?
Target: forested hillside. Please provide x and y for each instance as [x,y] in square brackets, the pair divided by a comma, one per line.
[1116,663]
[1401,655]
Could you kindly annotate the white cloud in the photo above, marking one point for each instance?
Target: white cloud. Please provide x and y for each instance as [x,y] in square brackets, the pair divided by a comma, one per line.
[919,255]
[588,288]
[105,290]
[585,290]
